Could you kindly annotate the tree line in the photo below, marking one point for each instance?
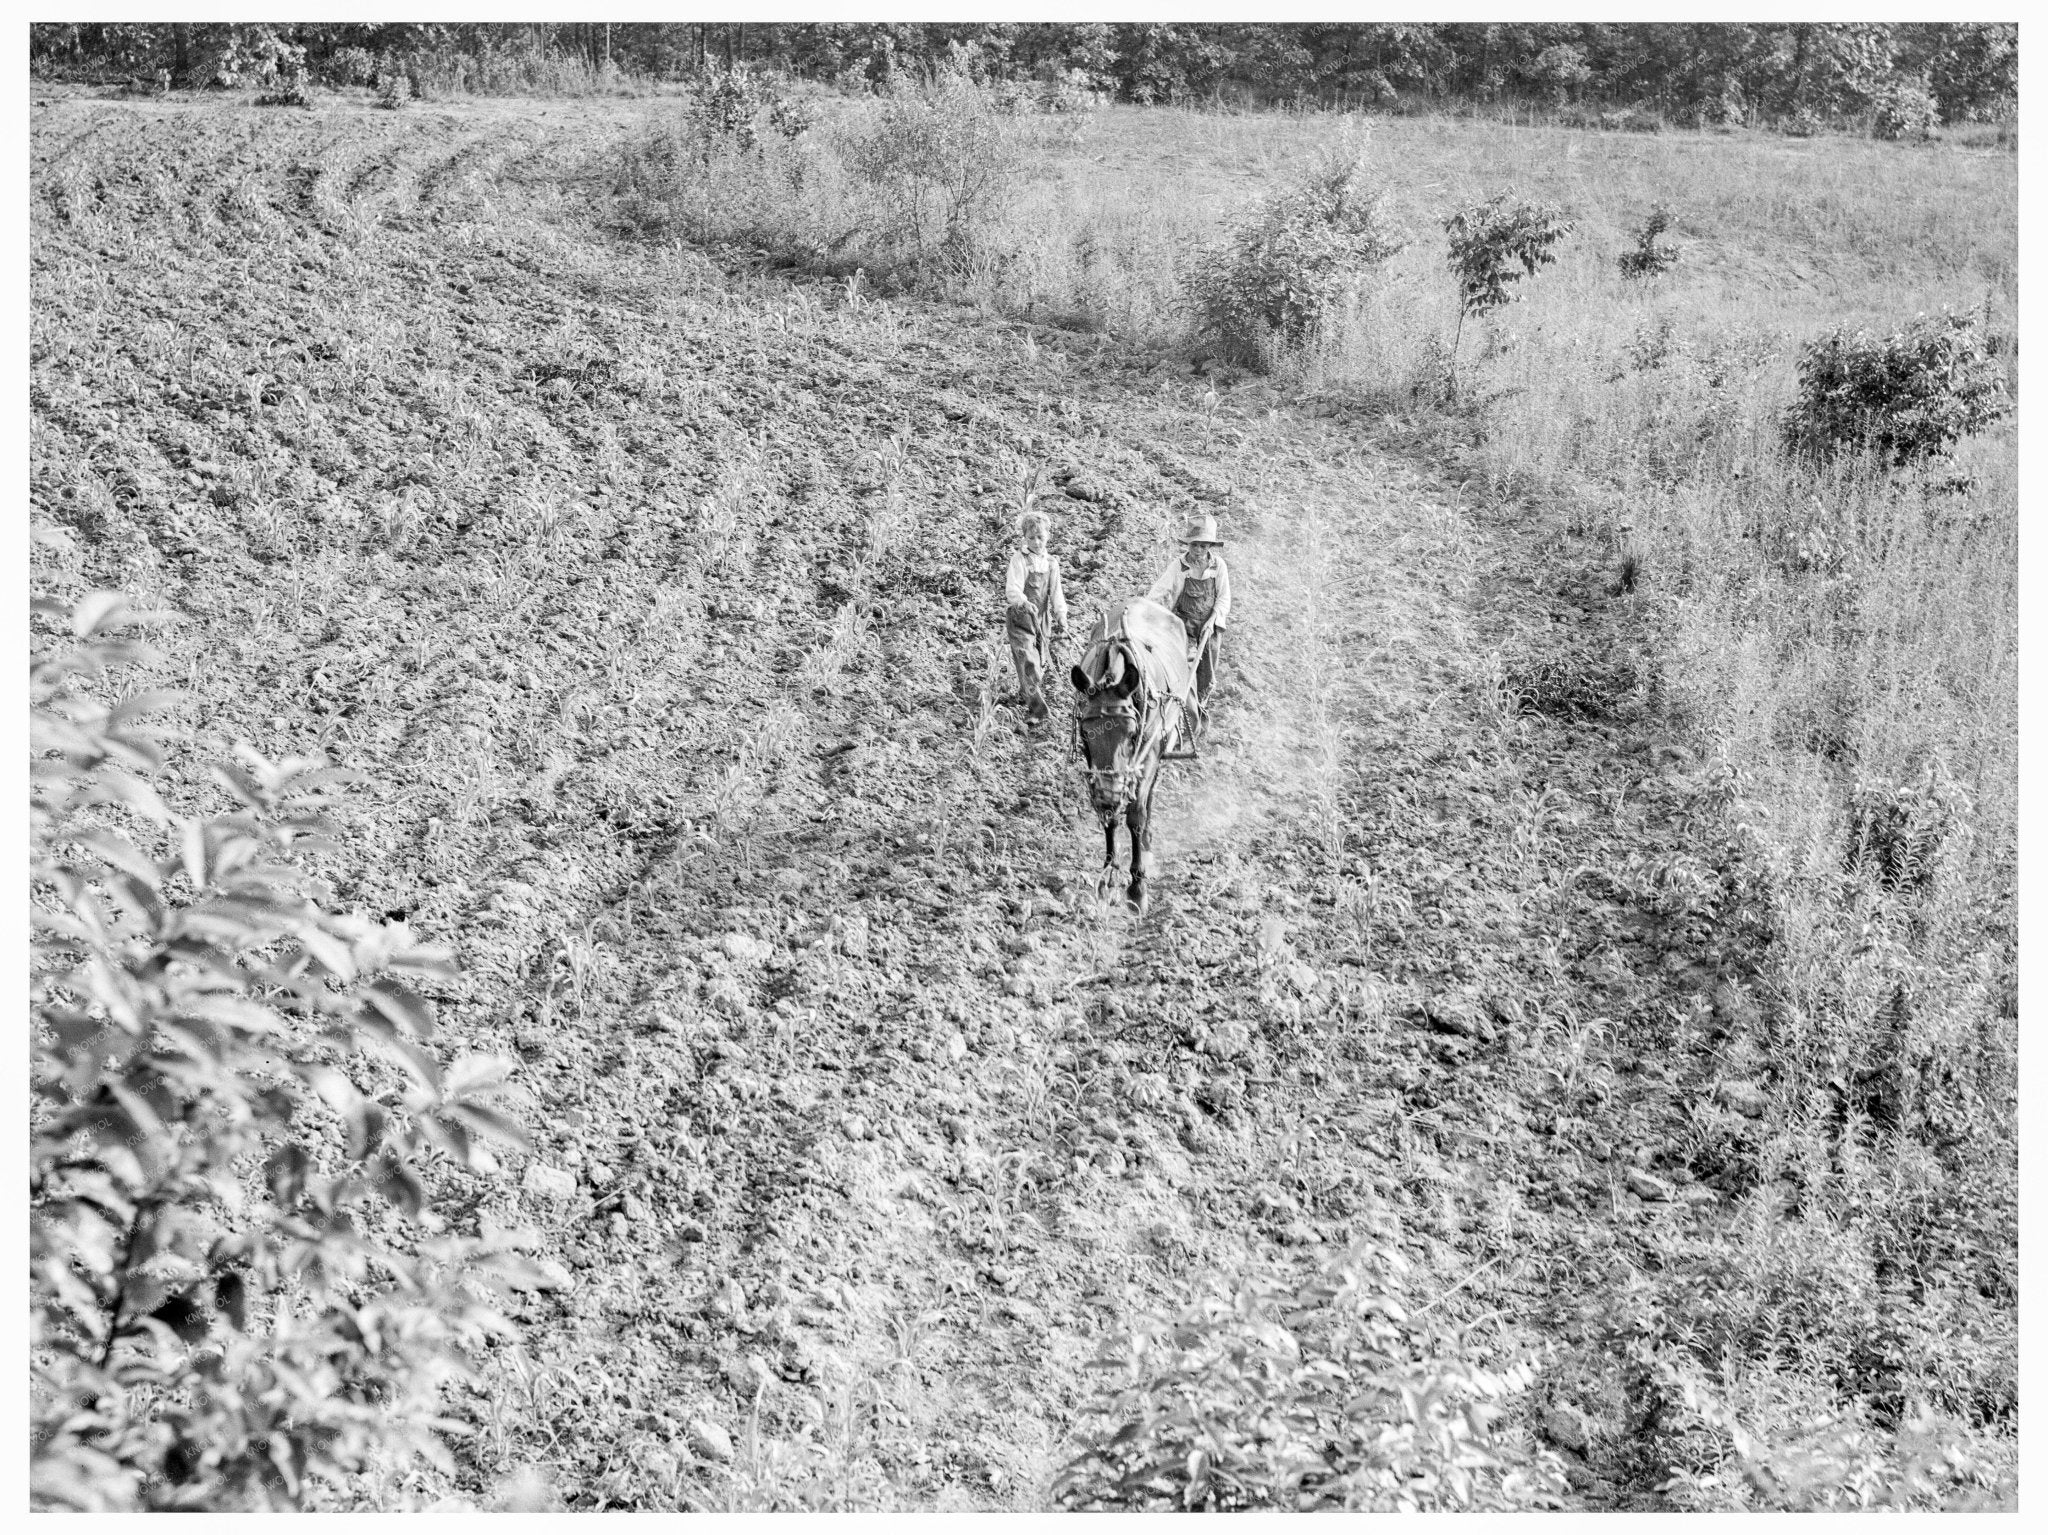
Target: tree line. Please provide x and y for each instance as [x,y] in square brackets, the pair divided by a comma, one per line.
[1706,72]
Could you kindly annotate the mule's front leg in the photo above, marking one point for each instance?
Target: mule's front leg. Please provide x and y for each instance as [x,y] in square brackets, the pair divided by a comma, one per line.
[1140,816]
[1102,882]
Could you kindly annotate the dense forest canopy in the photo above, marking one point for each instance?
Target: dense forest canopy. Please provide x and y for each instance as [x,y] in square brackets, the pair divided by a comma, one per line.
[1719,72]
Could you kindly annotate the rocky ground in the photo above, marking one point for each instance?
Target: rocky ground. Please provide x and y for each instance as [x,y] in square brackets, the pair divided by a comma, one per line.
[659,604]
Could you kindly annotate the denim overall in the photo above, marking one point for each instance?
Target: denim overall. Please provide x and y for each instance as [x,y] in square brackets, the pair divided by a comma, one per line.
[1024,642]
[1197,601]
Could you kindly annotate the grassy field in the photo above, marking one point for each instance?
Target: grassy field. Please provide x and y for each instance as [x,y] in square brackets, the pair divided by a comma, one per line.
[1505,924]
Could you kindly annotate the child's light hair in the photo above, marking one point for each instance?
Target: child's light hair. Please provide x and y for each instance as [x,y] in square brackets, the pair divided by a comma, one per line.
[1027,520]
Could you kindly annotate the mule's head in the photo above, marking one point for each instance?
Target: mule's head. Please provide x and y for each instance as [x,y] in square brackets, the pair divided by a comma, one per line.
[1107,724]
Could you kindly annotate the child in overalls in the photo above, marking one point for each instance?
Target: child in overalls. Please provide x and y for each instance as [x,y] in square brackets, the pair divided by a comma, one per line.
[1037,607]
[1197,588]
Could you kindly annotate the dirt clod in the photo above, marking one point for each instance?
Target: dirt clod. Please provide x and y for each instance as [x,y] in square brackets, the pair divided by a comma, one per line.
[549,1183]
[710,1441]
[1648,1187]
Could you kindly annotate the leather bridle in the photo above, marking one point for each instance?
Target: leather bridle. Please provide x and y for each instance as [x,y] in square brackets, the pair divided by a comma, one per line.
[1127,762]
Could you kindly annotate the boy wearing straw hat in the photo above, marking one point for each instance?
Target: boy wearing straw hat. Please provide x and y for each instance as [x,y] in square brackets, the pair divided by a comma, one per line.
[1197,588]
[1037,609]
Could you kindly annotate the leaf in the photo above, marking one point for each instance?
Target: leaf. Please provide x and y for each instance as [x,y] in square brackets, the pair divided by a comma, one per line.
[78,1299]
[486,1120]
[402,1006]
[285,1174]
[184,1317]
[124,788]
[231,1299]
[476,1072]
[48,733]
[78,1477]
[332,954]
[192,847]
[367,1121]
[452,1138]
[237,1013]
[141,902]
[147,701]
[399,1185]
[288,1457]
[421,1066]
[97,609]
[65,927]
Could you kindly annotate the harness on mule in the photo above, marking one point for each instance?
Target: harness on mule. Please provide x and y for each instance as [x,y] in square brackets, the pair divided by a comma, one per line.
[1145,644]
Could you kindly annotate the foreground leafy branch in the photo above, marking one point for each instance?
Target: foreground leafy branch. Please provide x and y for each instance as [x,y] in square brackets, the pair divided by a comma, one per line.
[234,1283]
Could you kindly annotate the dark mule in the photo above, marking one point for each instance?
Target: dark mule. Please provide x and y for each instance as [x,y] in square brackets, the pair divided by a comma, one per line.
[1136,707]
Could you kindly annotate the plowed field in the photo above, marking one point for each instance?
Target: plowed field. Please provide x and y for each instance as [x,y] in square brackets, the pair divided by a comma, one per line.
[658,602]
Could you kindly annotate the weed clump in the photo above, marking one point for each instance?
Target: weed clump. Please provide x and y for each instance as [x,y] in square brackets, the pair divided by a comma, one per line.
[1632,120]
[1648,258]
[1905,111]
[1906,397]
[1805,123]
[350,66]
[1577,684]
[294,89]
[1318,1391]
[790,117]
[1898,831]
[1285,271]
[394,90]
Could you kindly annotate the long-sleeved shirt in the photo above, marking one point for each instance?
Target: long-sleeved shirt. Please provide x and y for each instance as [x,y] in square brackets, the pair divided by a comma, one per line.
[1166,590]
[1022,563]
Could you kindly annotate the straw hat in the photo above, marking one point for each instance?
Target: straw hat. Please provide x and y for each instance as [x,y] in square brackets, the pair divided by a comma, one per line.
[1203,532]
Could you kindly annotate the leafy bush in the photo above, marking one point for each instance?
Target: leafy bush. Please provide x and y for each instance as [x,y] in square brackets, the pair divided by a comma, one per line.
[1905,111]
[349,66]
[724,106]
[792,118]
[233,1107]
[394,90]
[941,160]
[1648,258]
[1488,241]
[1804,123]
[1316,1391]
[228,55]
[1284,271]
[1906,397]
[294,89]
[1558,71]
[1065,90]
